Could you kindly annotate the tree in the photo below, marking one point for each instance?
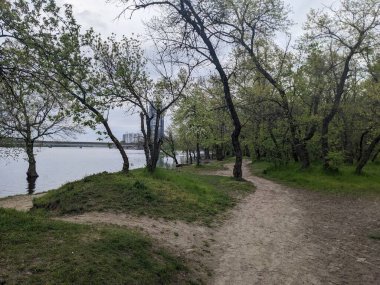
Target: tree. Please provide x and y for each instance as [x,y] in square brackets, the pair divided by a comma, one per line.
[193,117]
[29,109]
[31,106]
[63,56]
[186,26]
[345,34]
[251,26]
[369,107]
[169,146]
[122,66]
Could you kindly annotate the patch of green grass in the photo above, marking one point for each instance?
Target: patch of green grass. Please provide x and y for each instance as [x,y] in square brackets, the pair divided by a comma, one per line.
[213,165]
[375,236]
[168,194]
[343,182]
[36,250]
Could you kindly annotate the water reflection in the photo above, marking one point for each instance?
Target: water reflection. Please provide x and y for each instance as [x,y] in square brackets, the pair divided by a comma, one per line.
[31,184]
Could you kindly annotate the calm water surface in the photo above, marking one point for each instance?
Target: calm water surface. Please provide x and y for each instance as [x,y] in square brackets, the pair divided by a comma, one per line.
[56,166]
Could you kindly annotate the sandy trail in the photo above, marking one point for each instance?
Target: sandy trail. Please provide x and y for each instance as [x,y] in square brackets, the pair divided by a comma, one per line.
[276,235]
[286,236]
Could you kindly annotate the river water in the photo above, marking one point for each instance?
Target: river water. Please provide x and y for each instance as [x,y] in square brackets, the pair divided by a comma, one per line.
[57,166]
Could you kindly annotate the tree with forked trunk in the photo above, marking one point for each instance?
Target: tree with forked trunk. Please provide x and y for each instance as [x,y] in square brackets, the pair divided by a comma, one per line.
[185,26]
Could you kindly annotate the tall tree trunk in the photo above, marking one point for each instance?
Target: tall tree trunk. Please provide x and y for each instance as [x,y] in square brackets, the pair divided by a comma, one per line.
[145,136]
[219,152]
[334,109]
[366,155]
[247,151]
[175,159]
[303,154]
[118,146]
[325,144]
[198,155]
[197,23]
[360,151]
[32,170]
[155,146]
[207,153]
[376,155]
[104,121]
[294,153]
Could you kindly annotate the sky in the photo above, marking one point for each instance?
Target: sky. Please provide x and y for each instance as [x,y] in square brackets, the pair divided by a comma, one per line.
[102,16]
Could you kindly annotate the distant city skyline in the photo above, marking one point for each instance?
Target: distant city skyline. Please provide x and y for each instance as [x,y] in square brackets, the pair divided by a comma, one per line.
[132,137]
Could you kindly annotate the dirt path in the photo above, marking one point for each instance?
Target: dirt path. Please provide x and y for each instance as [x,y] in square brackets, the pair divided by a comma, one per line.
[286,236]
[276,235]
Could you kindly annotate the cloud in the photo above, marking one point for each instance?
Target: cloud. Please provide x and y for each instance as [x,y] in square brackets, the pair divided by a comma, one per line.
[92,20]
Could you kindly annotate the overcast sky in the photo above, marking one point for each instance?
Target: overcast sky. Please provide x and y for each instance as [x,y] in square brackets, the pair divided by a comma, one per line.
[102,16]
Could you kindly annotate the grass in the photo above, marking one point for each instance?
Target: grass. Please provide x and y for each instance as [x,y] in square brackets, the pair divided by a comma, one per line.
[36,250]
[204,168]
[168,194]
[375,236]
[213,165]
[344,182]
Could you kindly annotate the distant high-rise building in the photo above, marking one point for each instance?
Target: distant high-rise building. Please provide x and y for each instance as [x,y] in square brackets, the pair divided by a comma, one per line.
[161,127]
[132,138]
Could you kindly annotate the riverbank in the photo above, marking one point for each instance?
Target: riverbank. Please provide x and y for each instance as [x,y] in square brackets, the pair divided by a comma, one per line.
[273,235]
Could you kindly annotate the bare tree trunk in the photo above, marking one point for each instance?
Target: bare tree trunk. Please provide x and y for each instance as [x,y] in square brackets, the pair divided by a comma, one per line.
[207,153]
[376,155]
[172,155]
[360,151]
[197,23]
[294,153]
[247,151]
[175,159]
[145,136]
[303,154]
[335,107]
[32,170]
[366,155]
[325,144]
[118,146]
[219,152]
[198,155]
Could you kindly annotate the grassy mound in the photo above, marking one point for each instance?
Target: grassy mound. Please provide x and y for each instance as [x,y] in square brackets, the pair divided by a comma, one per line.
[343,182]
[166,194]
[35,250]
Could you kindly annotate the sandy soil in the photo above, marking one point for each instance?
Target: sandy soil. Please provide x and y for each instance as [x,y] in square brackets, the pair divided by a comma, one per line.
[19,202]
[276,235]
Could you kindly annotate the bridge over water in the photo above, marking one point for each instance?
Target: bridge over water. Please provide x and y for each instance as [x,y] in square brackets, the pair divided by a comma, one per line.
[77,144]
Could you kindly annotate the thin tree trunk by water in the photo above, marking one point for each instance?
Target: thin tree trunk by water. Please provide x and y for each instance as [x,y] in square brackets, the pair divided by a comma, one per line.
[32,170]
